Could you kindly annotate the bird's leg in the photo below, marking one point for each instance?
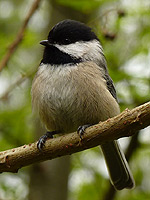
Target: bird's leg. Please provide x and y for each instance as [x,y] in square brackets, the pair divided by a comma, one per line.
[81,129]
[43,138]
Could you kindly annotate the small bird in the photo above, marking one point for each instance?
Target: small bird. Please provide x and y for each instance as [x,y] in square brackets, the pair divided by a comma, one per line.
[72,90]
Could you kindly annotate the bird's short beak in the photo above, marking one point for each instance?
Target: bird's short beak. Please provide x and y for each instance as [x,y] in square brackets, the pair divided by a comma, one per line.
[44,43]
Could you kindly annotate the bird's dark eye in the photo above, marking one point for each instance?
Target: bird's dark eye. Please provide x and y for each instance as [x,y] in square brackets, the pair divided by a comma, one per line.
[66,41]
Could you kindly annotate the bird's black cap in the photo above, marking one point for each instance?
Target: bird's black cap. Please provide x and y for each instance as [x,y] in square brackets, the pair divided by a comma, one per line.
[70,31]
[63,33]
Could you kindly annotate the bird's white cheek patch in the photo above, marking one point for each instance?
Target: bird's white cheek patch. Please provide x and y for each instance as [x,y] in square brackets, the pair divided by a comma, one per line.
[81,49]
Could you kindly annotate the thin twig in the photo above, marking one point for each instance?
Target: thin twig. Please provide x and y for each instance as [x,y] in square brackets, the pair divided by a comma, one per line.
[19,36]
[19,80]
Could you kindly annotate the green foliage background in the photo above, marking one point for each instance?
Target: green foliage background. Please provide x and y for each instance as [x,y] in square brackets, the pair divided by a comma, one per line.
[124,30]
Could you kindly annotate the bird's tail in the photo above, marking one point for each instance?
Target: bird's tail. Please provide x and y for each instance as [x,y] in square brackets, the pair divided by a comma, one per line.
[119,171]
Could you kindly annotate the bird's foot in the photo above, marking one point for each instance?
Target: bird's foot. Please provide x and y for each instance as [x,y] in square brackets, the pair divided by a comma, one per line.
[81,129]
[43,138]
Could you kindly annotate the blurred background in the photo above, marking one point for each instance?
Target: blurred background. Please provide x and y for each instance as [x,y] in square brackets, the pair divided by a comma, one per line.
[123,27]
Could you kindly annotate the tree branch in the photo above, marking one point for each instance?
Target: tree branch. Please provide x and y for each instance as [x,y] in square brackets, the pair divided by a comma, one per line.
[122,125]
[19,36]
[12,86]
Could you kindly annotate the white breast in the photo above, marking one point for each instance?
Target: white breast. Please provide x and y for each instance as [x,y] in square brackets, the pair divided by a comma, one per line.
[69,96]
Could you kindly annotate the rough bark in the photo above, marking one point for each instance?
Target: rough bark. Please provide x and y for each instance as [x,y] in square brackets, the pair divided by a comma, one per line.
[123,125]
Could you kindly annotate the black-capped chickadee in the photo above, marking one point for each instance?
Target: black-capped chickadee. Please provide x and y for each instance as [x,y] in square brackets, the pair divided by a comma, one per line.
[72,89]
